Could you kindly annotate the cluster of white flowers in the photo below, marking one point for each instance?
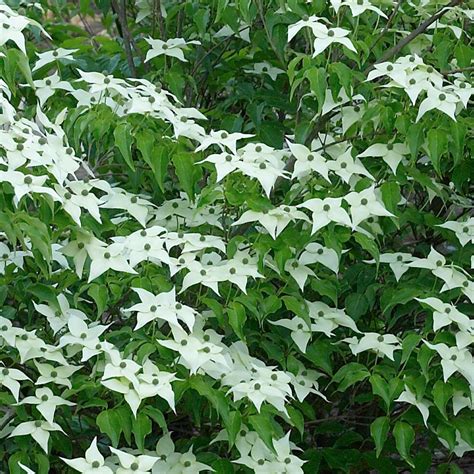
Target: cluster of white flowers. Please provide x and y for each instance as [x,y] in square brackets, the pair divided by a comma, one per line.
[163,460]
[37,162]
[412,75]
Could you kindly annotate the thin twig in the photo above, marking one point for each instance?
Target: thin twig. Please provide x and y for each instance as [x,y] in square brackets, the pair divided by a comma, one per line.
[456,71]
[267,32]
[388,24]
[161,23]
[418,31]
[120,10]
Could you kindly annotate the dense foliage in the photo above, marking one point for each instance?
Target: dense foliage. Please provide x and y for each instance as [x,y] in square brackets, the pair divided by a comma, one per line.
[236,236]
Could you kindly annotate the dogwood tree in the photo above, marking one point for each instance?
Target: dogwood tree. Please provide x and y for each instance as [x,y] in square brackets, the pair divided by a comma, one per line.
[236,236]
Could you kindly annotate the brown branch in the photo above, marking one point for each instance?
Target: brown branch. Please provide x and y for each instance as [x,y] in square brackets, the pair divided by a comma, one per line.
[388,24]
[418,31]
[455,71]
[161,23]
[120,10]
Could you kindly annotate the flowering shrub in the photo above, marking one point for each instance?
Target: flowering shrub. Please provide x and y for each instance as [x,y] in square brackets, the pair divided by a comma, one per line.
[235,236]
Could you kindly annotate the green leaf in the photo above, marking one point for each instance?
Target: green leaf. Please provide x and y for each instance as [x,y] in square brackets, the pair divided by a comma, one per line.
[356,305]
[123,141]
[155,156]
[318,83]
[442,393]
[263,425]
[237,316]
[100,296]
[319,353]
[391,195]
[368,244]
[233,426]
[408,345]
[186,172]
[380,387]
[437,146]
[345,75]
[404,437]
[156,415]
[297,419]
[349,375]
[217,398]
[415,138]
[379,431]
[44,293]
[109,423]
[141,427]
[20,61]
[458,137]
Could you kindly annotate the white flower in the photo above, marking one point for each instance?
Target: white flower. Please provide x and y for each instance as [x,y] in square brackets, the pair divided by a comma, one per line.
[154,382]
[26,184]
[275,220]
[397,262]
[194,351]
[461,447]
[300,331]
[307,161]
[173,47]
[299,272]
[461,401]
[87,337]
[312,22]
[261,460]
[46,403]
[100,83]
[434,261]
[365,204]
[127,389]
[134,205]
[92,463]
[57,375]
[145,245]
[265,68]
[345,166]
[317,253]
[306,382]
[11,28]
[380,344]
[130,464]
[445,314]
[464,230]
[439,99]
[108,258]
[423,404]
[357,7]
[325,211]
[45,88]
[57,319]
[54,55]
[392,153]
[11,378]
[326,319]
[79,249]
[324,37]
[38,430]
[454,360]
[260,384]
[226,141]
[225,164]
[29,345]
[163,307]
[172,462]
